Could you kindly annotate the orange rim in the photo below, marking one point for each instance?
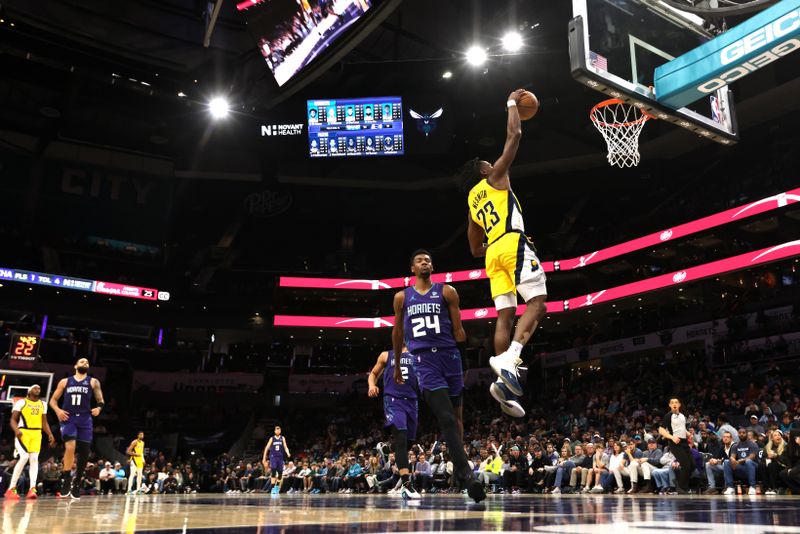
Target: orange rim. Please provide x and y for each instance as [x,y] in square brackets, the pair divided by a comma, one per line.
[612,101]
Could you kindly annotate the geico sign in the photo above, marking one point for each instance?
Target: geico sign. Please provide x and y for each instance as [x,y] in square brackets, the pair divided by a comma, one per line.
[749,66]
[761,37]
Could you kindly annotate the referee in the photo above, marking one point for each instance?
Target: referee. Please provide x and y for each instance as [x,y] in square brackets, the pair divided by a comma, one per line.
[676,432]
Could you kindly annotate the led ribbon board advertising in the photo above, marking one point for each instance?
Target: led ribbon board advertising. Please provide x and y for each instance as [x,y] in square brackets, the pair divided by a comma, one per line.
[657,238]
[742,261]
[79,284]
[758,41]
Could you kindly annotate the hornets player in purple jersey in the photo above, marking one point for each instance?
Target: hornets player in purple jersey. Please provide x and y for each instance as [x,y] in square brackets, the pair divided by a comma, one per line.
[400,408]
[428,320]
[277,450]
[75,416]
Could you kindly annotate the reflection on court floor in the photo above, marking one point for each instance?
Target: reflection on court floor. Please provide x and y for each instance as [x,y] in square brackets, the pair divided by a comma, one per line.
[339,514]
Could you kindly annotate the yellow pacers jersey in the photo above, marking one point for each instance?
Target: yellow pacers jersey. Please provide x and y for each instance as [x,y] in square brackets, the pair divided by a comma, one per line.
[497,211]
[31,414]
[138,453]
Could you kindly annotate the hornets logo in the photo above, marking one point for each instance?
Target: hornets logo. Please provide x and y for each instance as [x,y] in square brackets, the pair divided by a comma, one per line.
[534,265]
[426,124]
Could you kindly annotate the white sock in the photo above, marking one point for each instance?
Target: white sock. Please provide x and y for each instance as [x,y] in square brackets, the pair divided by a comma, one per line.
[515,349]
[34,469]
[18,468]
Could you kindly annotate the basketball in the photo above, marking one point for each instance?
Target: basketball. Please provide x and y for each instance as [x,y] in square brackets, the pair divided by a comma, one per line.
[528,105]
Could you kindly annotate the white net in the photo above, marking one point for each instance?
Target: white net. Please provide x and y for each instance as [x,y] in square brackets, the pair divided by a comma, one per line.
[620,124]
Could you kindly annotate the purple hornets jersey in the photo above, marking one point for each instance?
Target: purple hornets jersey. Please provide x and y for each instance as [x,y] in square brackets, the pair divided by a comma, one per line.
[390,387]
[426,320]
[276,451]
[77,396]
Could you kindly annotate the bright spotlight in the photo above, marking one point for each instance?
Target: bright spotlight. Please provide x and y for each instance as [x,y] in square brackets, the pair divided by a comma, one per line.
[447,75]
[476,56]
[218,108]
[512,42]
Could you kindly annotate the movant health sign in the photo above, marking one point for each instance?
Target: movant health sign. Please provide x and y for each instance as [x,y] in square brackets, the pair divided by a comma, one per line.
[758,41]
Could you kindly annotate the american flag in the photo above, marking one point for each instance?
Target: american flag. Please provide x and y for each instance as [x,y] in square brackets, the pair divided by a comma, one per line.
[598,61]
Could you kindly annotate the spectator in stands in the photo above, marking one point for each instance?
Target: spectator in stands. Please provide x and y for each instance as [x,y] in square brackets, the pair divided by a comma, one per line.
[150,486]
[566,467]
[618,466]
[318,476]
[170,484]
[742,462]
[50,477]
[645,464]
[787,424]
[777,405]
[190,483]
[664,476]
[489,468]
[246,482]
[754,426]
[120,478]
[533,476]
[422,475]
[791,475]
[776,452]
[355,475]
[578,479]
[334,478]
[725,426]
[106,477]
[633,455]
[512,474]
[599,469]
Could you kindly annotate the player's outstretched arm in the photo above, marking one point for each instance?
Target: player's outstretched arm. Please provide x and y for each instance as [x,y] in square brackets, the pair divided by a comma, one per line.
[397,335]
[98,396]
[55,397]
[377,370]
[499,176]
[453,302]
[286,448]
[475,235]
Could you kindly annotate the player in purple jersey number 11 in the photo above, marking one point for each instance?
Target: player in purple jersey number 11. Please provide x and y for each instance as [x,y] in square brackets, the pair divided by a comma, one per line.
[75,417]
[428,316]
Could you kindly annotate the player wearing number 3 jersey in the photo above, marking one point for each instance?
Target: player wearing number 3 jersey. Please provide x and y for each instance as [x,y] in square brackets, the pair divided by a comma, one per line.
[428,320]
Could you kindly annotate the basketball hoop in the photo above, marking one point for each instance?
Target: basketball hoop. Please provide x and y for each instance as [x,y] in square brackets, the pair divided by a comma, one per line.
[620,124]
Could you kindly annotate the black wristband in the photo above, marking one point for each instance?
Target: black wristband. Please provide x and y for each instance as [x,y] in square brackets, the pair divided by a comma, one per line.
[101,405]
[462,347]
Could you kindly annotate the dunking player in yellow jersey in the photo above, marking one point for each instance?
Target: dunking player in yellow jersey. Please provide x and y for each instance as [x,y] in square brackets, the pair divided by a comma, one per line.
[496,230]
[28,419]
[136,453]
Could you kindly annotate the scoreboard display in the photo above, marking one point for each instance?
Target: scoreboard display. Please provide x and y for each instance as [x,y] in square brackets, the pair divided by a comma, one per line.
[24,347]
[355,127]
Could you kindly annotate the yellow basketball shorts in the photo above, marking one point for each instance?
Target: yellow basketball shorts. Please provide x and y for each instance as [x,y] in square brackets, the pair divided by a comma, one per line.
[511,266]
[31,440]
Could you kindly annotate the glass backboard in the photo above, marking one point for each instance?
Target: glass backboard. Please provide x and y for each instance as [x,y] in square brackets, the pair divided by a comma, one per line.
[616,45]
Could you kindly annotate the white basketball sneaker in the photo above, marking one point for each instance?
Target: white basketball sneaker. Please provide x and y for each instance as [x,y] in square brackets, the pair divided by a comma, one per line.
[509,402]
[505,366]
